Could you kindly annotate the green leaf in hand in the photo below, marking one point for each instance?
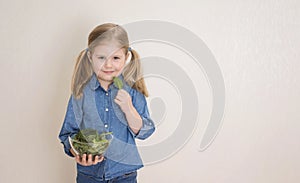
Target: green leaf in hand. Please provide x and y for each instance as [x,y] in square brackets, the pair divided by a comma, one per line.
[118,83]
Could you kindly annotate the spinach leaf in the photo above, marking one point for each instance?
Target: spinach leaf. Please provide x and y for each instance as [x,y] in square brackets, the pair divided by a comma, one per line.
[118,82]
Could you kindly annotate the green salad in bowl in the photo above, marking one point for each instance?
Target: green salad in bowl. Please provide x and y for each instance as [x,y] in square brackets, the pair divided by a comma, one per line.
[90,141]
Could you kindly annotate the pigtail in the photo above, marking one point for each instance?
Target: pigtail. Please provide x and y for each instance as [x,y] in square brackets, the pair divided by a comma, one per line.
[83,72]
[133,74]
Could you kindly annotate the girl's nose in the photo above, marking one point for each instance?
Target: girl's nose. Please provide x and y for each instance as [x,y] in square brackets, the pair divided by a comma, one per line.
[107,62]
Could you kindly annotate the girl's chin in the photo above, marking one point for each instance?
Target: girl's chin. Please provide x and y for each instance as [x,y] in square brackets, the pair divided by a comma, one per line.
[106,78]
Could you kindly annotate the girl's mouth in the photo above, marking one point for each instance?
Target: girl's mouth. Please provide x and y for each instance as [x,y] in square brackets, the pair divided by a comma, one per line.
[108,72]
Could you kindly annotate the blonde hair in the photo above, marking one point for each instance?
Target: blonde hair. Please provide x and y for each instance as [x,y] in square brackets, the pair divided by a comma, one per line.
[83,70]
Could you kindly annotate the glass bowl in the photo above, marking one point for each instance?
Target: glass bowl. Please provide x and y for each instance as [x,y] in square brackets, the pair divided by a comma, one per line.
[90,141]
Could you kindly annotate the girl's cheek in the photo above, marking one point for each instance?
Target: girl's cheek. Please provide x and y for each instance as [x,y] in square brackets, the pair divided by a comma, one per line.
[96,67]
[99,65]
[120,66]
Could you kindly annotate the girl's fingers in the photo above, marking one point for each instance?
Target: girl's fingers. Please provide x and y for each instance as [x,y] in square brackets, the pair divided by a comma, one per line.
[77,159]
[118,97]
[98,159]
[122,93]
[83,159]
[101,158]
[87,160]
[90,159]
[117,101]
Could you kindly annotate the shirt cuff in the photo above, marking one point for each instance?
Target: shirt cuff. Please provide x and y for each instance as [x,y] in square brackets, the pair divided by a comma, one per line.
[147,129]
[67,147]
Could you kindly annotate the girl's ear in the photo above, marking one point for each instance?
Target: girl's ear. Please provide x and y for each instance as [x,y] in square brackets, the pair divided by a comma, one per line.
[129,56]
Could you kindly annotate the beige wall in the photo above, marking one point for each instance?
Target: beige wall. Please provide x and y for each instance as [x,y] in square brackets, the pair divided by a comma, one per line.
[256,44]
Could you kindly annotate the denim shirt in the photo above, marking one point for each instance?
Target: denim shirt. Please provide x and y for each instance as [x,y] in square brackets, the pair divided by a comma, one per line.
[96,109]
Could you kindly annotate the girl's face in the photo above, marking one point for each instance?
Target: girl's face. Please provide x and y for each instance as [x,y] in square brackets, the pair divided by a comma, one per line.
[108,61]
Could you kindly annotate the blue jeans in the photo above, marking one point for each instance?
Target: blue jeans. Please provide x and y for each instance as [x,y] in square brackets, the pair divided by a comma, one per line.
[127,178]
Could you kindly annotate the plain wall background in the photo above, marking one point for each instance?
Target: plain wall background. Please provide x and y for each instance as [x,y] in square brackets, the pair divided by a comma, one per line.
[256,44]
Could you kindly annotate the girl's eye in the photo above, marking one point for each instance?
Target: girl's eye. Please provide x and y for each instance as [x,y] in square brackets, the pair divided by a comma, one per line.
[101,58]
[116,58]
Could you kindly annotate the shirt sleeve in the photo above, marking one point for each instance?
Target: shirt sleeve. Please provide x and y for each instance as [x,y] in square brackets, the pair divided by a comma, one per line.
[69,128]
[148,127]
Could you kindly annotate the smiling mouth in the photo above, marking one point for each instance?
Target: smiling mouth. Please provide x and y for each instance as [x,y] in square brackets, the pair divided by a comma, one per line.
[108,72]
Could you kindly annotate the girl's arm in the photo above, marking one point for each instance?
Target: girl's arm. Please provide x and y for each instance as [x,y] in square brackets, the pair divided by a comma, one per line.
[136,112]
[68,128]
[134,120]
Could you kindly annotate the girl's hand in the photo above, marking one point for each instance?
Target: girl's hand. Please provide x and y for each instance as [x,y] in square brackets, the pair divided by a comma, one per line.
[84,161]
[123,99]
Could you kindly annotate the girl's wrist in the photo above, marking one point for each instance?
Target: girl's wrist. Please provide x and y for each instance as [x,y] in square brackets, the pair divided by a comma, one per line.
[129,109]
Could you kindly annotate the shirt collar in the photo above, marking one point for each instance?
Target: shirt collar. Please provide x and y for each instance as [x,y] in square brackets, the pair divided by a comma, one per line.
[93,83]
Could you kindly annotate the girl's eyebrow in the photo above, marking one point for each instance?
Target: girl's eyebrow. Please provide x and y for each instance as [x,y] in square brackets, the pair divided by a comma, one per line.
[117,55]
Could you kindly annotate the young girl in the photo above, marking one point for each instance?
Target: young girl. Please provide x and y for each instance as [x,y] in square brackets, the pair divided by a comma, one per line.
[98,104]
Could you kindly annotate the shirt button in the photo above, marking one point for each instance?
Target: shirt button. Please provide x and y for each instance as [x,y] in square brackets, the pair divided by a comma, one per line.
[106,94]
[105,125]
[106,109]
